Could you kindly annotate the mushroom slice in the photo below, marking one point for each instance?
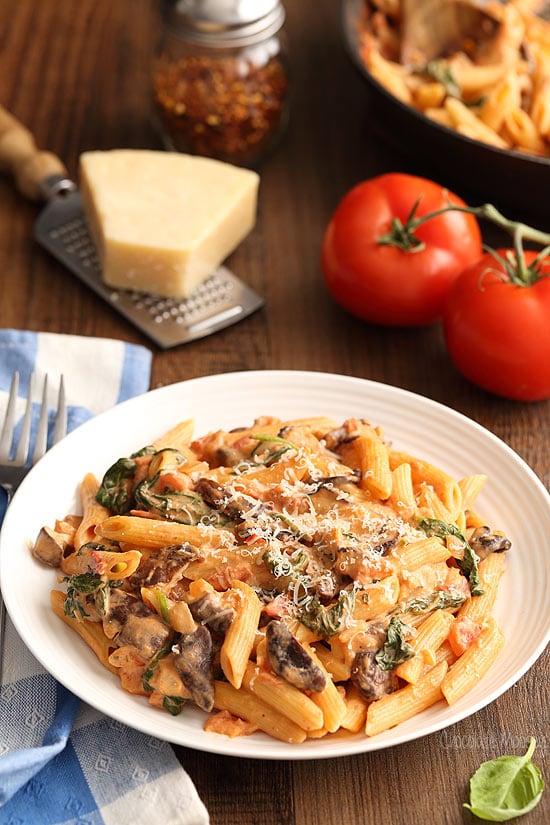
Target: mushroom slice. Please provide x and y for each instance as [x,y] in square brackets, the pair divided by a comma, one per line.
[484,542]
[432,28]
[134,624]
[164,566]
[193,657]
[335,438]
[289,660]
[50,546]
[233,505]
[209,610]
[369,678]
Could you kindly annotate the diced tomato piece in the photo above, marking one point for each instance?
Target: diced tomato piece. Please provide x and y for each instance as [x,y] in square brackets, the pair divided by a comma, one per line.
[229,725]
[455,581]
[143,514]
[142,465]
[222,579]
[463,632]
[174,481]
[245,443]
[278,607]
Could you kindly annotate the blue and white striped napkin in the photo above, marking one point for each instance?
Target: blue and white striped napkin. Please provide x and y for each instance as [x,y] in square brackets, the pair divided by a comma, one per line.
[61,762]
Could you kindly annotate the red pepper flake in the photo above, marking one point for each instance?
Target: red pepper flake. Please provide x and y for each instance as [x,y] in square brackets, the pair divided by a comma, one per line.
[227,107]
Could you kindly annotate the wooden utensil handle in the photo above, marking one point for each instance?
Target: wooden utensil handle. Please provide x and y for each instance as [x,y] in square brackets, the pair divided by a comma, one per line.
[20,156]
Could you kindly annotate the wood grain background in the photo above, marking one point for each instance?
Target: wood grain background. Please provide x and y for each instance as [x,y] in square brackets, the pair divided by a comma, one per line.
[77,73]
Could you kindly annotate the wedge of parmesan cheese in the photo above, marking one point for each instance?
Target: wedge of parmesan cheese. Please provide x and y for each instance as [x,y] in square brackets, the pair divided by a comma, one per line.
[163,221]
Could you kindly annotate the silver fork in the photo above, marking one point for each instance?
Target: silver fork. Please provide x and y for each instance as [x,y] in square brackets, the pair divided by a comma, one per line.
[13,471]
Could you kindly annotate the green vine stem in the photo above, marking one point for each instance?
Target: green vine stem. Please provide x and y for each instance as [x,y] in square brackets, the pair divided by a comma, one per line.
[401,235]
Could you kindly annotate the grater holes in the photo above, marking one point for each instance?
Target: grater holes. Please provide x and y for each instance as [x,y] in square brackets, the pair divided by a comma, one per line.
[76,240]
[212,293]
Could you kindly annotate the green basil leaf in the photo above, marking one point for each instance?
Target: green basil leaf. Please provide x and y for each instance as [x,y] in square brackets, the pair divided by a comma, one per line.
[506,787]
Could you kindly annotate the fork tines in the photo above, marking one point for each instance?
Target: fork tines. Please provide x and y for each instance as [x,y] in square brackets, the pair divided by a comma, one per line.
[22,454]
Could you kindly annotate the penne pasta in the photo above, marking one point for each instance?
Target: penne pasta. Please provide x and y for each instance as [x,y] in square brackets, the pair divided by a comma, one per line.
[490,572]
[178,437]
[155,533]
[91,632]
[329,700]
[93,513]
[248,706]
[116,566]
[375,468]
[403,497]
[356,710]
[297,577]
[335,665]
[239,640]
[377,598]
[523,131]
[429,637]
[425,551]
[470,487]
[399,706]
[474,663]
[285,698]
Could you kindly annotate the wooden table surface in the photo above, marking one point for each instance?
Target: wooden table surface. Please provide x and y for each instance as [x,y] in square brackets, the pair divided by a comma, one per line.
[76,72]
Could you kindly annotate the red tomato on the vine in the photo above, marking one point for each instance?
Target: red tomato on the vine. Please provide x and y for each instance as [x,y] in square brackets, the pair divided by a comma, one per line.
[497,327]
[380,266]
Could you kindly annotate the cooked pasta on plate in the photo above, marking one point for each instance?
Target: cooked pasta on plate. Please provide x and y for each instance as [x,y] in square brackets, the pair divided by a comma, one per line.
[307,566]
[299,577]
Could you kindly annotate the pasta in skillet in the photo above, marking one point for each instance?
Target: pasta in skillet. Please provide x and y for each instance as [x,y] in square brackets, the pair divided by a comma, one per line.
[482,70]
[297,577]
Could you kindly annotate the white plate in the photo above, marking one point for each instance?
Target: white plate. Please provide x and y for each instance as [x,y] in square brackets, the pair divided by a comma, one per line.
[513,500]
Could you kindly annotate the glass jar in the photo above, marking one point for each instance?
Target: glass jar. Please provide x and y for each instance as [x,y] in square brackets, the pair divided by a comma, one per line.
[220,78]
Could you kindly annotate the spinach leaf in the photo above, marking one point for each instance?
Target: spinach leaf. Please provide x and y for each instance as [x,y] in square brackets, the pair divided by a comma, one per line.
[326,621]
[277,447]
[176,505]
[438,600]
[468,562]
[173,704]
[283,565]
[152,666]
[291,526]
[395,649]
[506,787]
[83,584]
[115,491]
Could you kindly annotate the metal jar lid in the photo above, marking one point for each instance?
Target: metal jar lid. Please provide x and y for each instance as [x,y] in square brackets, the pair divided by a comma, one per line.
[227,22]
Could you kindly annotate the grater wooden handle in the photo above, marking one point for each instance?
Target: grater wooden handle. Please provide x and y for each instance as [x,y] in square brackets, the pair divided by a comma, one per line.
[20,156]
